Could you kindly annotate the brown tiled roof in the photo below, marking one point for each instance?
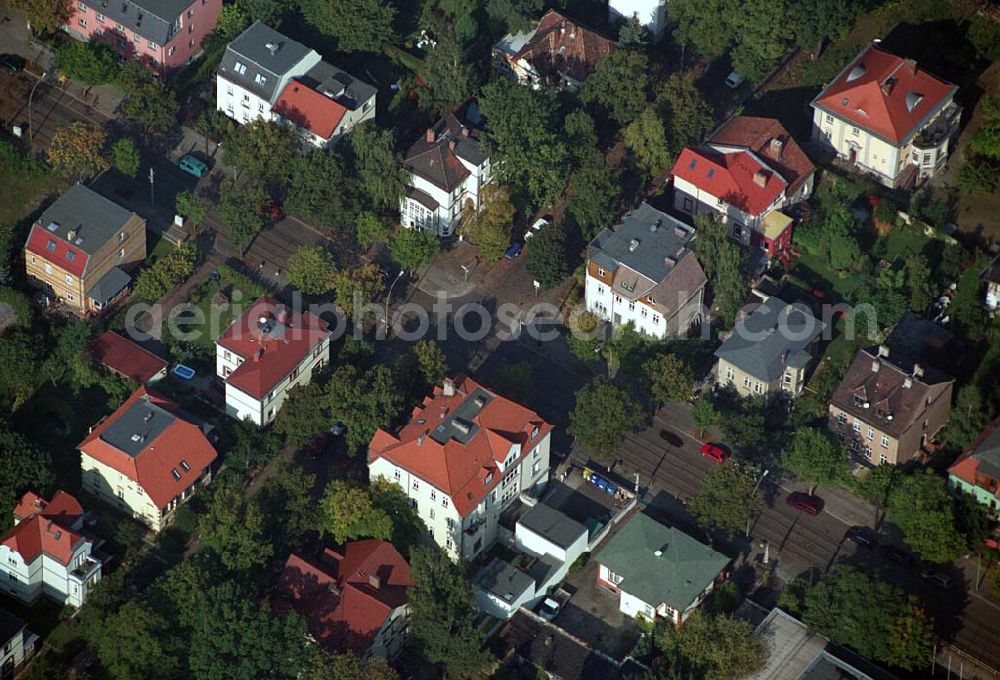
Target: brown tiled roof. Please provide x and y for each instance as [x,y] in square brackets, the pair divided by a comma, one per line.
[562,45]
[438,160]
[757,134]
[881,382]
[126,358]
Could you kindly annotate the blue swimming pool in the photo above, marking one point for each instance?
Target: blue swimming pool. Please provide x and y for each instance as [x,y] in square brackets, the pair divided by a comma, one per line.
[183,372]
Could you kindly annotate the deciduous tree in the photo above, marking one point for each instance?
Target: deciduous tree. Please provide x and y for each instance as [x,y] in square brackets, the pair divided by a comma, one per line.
[363,402]
[431,361]
[669,379]
[23,467]
[355,287]
[356,25]
[311,269]
[90,63]
[125,157]
[546,258]
[71,361]
[240,207]
[515,381]
[76,150]
[234,529]
[262,150]
[489,227]
[304,415]
[920,505]
[377,165]
[371,229]
[446,74]
[918,281]
[44,16]
[320,191]
[646,139]
[156,280]
[705,414]
[602,416]
[347,666]
[618,85]
[191,207]
[815,456]
[703,25]
[147,101]
[413,248]
[348,513]
[516,15]
[594,192]
[687,117]
[726,500]
[761,29]
[713,647]
[136,641]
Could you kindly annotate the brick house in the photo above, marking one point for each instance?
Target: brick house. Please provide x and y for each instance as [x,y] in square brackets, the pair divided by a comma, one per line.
[557,53]
[888,407]
[887,118]
[166,34]
[355,599]
[48,551]
[464,456]
[147,458]
[644,272]
[82,248]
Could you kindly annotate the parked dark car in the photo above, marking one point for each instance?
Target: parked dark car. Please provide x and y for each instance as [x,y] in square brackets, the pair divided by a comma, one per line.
[513,251]
[862,536]
[897,555]
[13,62]
[942,581]
[811,505]
[671,438]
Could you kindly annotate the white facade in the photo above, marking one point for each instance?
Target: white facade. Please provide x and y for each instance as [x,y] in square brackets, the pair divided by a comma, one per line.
[15,651]
[651,13]
[443,219]
[45,575]
[389,640]
[533,543]
[615,309]
[690,199]
[241,405]
[365,111]
[243,106]
[467,537]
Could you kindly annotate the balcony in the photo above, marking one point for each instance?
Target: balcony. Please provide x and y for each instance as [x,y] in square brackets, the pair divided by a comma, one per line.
[475,526]
[943,128]
[86,569]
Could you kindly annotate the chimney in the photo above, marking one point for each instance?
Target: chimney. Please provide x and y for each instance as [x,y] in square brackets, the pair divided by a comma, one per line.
[918,371]
[429,137]
[777,146]
[907,382]
[465,132]
[910,66]
[452,144]
[272,48]
[448,387]
[374,581]
[421,437]
[883,351]
[760,179]
[283,315]
[876,364]
[71,234]
[258,354]
[680,232]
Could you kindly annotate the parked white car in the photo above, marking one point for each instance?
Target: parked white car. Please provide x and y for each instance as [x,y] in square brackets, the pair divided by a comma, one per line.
[734,80]
[539,224]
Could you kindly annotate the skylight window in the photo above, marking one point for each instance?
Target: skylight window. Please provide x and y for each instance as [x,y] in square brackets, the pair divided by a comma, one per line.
[260,80]
[711,173]
[185,466]
[175,473]
[694,162]
[51,246]
[240,68]
[70,255]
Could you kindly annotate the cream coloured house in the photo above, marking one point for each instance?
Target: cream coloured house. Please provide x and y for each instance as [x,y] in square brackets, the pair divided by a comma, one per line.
[887,118]
[146,459]
[464,456]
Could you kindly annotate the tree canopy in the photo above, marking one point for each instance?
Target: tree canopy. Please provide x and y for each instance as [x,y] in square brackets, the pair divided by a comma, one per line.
[546,258]
[603,415]
[363,402]
[311,270]
[726,499]
[413,248]
[356,25]
[816,456]
[618,85]
[920,505]
[489,228]
[712,647]
[77,150]
[669,379]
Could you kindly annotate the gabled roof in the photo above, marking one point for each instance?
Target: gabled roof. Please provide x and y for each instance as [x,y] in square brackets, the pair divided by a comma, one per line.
[660,563]
[458,442]
[259,57]
[48,530]
[92,218]
[561,45]
[126,358]
[554,650]
[769,139]
[884,94]
[773,336]
[438,155]
[982,457]
[888,385]
[309,109]
[741,179]
[149,441]
[152,19]
[346,597]
[270,351]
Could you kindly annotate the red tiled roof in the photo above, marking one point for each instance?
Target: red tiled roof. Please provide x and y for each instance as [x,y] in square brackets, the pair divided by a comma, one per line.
[967,465]
[152,467]
[44,527]
[63,506]
[269,358]
[561,44]
[460,470]
[731,177]
[347,597]
[39,241]
[126,358]
[858,95]
[309,109]
[759,135]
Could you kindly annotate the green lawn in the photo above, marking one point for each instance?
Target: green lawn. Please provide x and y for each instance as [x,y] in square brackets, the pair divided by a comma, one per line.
[24,184]
[201,296]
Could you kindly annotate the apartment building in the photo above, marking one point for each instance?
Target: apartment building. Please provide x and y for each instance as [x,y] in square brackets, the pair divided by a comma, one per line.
[147,458]
[888,407]
[644,272]
[887,118]
[446,172]
[167,35]
[465,455]
[81,249]
[266,75]
[266,352]
[355,598]
[770,350]
[48,552]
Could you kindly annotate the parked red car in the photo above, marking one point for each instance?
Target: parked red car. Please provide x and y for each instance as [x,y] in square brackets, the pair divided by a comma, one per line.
[714,452]
[811,505]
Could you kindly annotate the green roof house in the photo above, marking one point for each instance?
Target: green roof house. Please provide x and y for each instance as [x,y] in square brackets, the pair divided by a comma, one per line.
[657,570]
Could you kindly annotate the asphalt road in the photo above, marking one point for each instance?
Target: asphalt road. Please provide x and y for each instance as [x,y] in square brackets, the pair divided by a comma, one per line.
[51,109]
[801,542]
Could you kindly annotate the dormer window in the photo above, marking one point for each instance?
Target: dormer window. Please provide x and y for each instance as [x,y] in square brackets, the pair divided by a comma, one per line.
[260,80]
[489,478]
[534,432]
[240,68]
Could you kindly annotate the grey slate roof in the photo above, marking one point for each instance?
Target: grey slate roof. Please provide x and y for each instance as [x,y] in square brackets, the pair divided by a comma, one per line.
[460,425]
[250,49]
[137,427]
[776,334]
[152,19]
[109,286]
[10,626]
[437,162]
[325,77]
[613,247]
[920,337]
[504,580]
[677,576]
[553,525]
[93,217]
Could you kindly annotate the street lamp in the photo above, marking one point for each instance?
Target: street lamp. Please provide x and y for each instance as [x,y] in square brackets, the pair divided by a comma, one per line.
[31,127]
[388,295]
[754,493]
